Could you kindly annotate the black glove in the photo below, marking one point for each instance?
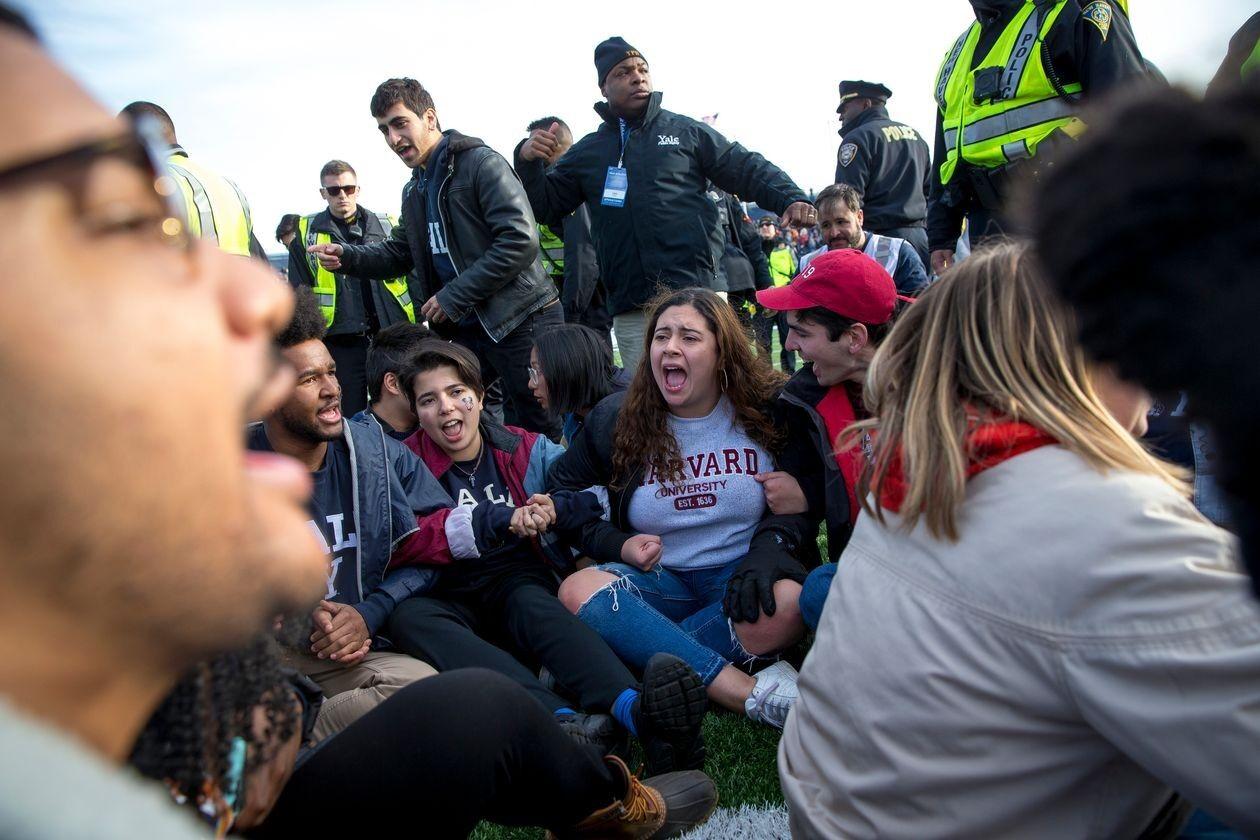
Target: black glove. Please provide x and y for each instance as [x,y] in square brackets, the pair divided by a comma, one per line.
[750,591]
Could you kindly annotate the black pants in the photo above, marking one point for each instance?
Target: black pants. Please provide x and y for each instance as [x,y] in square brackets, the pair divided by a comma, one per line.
[439,756]
[916,236]
[507,361]
[349,352]
[522,612]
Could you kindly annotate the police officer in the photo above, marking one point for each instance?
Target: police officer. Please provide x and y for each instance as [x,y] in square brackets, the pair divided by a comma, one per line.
[887,162]
[354,308]
[1008,93]
[214,207]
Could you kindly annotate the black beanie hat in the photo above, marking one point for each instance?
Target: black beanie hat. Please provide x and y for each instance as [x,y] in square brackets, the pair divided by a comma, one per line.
[611,53]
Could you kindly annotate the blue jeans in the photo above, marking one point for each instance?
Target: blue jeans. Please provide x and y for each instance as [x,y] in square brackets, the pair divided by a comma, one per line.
[814,594]
[667,611]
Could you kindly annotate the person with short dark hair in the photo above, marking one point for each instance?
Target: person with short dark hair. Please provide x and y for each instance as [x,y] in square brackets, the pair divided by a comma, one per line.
[837,312]
[779,246]
[388,405]
[355,307]
[1180,318]
[509,592]
[469,234]
[842,221]
[743,265]
[568,251]
[287,229]
[570,370]
[215,209]
[644,174]
[886,162]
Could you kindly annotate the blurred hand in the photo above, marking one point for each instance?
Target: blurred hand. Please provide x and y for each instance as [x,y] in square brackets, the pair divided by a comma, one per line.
[800,214]
[432,311]
[941,260]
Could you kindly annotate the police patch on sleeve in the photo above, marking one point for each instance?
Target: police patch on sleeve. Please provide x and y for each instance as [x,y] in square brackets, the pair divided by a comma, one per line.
[1099,14]
[847,153]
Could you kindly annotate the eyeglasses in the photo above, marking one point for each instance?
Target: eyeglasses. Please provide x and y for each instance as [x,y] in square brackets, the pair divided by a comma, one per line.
[141,146]
[534,375]
[350,189]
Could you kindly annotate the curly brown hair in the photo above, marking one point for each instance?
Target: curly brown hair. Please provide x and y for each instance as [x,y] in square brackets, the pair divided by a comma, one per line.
[643,436]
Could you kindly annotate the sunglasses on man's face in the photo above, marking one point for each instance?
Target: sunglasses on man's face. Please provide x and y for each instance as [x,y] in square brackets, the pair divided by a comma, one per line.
[350,189]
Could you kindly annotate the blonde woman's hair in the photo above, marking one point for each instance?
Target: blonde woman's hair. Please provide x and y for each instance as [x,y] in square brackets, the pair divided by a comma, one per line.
[989,342]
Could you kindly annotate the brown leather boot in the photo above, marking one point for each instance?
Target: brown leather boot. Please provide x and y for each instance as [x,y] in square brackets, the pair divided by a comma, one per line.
[639,814]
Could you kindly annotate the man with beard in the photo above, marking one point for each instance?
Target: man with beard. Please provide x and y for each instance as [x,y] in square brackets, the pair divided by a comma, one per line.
[161,542]
[887,162]
[840,218]
[1008,94]
[369,492]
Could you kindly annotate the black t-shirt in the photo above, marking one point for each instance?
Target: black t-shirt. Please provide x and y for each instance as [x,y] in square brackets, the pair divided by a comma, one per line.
[332,517]
[483,486]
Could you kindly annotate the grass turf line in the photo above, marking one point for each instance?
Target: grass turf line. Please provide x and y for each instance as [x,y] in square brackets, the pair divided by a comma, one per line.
[741,761]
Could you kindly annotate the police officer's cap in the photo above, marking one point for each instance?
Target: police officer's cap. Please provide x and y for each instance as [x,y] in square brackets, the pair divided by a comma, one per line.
[868,90]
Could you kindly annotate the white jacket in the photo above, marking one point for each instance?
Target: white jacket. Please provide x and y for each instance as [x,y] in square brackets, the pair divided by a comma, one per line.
[1087,645]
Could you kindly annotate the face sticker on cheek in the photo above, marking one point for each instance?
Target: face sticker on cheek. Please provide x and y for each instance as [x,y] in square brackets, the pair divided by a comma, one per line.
[467,402]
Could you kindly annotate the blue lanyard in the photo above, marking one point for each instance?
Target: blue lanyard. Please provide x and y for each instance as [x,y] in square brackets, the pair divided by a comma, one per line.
[625,132]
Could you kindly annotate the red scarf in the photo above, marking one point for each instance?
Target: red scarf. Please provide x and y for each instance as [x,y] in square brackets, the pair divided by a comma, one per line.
[838,412]
[987,446]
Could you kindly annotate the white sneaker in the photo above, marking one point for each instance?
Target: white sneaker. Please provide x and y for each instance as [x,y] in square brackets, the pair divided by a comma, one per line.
[773,695]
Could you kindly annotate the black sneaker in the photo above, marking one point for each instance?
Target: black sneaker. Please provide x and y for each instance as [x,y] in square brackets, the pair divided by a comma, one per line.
[669,714]
[596,730]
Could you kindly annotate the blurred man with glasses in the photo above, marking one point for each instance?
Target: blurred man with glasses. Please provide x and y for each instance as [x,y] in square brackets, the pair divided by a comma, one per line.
[355,308]
[136,535]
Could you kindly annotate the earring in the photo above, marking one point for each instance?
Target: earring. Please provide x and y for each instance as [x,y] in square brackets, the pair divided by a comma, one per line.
[726,385]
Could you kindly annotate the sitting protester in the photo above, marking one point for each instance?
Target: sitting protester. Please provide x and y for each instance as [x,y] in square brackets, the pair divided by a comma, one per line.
[232,740]
[387,402]
[374,506]
[1032,633]
[508,591]
[838,311]
[688,459]
[570,370]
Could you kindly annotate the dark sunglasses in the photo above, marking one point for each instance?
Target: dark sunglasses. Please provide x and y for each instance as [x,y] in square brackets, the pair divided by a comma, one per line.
[350,189]
[141,146]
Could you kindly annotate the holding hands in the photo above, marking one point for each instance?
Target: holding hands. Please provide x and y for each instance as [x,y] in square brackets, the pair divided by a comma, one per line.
[534,517]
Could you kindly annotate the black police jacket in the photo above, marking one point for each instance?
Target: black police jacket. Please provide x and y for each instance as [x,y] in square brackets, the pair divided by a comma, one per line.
[1078,53]
[667,234]
[889,163]
[354,294]
[490,233]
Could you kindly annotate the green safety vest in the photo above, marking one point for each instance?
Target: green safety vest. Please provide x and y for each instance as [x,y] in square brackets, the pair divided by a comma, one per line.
[215,207]
[552,249]
[1251,66]
[326,281]
[782,265]
[1027,110]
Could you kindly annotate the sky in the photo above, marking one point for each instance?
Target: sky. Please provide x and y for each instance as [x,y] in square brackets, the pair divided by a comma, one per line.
[266,93]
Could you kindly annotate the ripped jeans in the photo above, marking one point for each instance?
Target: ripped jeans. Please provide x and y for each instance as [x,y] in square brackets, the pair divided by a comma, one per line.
[667,611]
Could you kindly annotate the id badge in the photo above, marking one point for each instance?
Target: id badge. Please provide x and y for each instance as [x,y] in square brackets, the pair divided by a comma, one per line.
[615,186]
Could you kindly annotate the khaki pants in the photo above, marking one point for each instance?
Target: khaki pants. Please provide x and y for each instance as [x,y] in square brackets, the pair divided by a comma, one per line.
[628,327]
[352,692]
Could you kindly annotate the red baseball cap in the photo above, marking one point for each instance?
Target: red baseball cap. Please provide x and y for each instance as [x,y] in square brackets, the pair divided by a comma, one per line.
[846,281]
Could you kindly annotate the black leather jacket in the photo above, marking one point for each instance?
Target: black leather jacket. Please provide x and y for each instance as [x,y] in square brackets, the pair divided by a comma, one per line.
[490,233]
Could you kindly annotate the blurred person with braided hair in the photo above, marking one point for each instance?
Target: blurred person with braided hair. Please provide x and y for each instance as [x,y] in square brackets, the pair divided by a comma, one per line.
[1176,313]
[234,742]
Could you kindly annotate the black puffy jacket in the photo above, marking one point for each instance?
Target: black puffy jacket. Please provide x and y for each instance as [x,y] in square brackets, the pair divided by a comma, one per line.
[667,234]
[490,233]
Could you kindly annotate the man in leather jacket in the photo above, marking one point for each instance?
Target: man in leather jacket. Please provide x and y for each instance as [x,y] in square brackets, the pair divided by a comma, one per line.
[468,230]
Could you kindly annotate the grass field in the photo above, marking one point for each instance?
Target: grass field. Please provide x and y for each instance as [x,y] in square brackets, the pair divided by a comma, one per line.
[741,762]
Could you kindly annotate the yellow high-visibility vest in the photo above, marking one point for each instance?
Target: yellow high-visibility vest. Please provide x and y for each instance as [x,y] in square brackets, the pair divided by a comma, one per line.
[1028,108]
[216,209]
[326,281]
[552,248]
